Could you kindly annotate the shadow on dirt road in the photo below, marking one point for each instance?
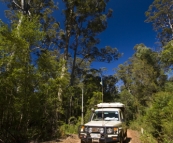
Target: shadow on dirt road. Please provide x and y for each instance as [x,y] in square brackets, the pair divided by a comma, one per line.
[128,140]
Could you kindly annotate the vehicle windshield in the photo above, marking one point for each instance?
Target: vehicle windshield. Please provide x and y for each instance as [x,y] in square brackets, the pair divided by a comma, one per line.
[107,116]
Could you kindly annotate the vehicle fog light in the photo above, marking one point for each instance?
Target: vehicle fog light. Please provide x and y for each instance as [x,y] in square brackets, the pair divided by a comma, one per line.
[109,130]
[90,130]
[86,129]
[101,130]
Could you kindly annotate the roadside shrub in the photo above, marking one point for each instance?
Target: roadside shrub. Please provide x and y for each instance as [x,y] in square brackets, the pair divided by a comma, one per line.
[141,123]
[70,128]
[147,138]
[159,117]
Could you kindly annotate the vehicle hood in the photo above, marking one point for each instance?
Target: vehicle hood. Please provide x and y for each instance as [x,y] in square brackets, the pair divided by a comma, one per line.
[103,123]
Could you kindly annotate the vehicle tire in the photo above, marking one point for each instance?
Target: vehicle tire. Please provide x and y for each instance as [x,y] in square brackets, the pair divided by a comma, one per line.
[81,141]
[125,137]
[121,141]
[121,138]
[125,140]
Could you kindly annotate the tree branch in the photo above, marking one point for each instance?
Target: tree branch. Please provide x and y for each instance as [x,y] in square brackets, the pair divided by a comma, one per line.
[16,4]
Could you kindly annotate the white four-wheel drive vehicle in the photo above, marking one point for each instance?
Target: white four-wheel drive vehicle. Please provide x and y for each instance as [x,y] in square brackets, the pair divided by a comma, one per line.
[106,125]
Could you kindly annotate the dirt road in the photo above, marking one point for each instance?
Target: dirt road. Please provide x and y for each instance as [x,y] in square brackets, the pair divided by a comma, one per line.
[132,137]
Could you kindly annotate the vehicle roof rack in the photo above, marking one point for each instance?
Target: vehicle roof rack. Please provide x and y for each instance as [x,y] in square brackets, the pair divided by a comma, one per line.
[111,105]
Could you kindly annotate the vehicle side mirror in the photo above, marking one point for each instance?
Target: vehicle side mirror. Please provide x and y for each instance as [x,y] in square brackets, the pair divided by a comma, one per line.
[92,109]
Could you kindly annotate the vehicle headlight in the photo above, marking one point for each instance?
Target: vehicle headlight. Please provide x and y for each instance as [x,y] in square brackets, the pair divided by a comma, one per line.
[109,130]
[82,128]
[90,130]
[101,130]
[86,129]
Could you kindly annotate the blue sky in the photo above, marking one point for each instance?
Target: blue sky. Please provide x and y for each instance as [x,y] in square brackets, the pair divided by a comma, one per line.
[126,28]
[2,8]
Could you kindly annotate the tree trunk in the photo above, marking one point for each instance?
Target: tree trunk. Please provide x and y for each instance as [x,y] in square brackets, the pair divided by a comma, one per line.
[65,58]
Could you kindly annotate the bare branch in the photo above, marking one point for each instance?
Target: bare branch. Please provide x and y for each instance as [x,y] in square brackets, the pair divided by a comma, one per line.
[16,4]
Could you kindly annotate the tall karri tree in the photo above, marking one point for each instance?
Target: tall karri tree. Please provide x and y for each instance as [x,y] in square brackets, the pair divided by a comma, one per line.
[160,14]
[84,21]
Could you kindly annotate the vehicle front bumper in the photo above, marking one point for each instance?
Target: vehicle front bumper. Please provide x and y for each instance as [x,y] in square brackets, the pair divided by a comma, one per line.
[105,138]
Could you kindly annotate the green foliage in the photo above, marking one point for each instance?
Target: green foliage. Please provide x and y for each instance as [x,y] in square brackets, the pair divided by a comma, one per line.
[142,77]
[145,130]
[96,98]
[110,90]
[42,9]
[149,93]
[160,114]
[29,104]
[156,120]
[29,30]
[17,75]
[129,104]
[167,54]
[70,128]
[147,138]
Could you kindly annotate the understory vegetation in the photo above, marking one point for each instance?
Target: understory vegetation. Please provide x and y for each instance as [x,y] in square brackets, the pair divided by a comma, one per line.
[45,71]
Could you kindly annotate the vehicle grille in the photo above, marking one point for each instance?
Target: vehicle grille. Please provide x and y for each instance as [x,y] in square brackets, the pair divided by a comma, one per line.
[94,130]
